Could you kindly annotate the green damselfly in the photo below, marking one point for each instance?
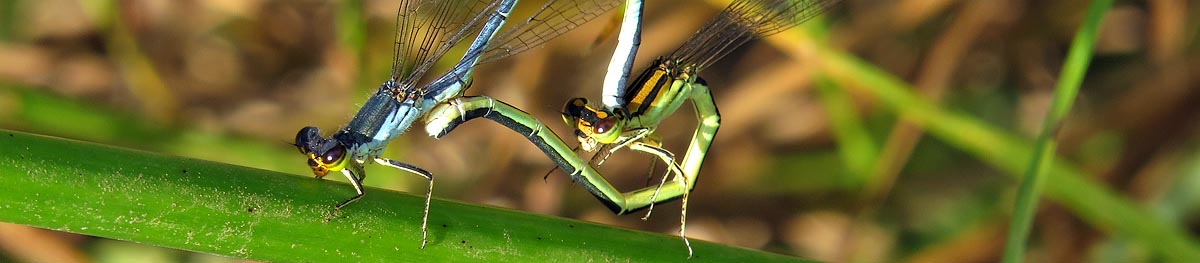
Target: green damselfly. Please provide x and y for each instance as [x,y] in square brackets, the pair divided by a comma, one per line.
[426,31]
[632,113]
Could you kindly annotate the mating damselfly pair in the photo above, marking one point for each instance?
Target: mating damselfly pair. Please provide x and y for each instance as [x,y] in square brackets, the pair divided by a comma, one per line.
[427,30]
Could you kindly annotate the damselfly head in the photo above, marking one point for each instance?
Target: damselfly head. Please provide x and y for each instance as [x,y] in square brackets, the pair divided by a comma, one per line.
[324,155]
[593,127]
[573,110]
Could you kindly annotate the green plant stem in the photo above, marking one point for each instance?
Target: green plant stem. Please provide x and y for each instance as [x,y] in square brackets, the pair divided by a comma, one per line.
[856,148]
[261,215]
[1066,184]
[1069,81]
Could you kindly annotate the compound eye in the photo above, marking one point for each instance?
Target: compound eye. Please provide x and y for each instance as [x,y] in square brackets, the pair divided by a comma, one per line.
[333,155]
[604,125]
[574,108]
[307,138]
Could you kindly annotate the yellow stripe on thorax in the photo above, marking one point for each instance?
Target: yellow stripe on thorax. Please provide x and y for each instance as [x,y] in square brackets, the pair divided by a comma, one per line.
[648,90]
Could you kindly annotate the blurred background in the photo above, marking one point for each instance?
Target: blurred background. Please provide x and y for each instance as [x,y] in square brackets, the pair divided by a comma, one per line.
[801,166]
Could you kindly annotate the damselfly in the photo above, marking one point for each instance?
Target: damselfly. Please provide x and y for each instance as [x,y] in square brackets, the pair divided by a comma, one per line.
[632,114]
[426,31]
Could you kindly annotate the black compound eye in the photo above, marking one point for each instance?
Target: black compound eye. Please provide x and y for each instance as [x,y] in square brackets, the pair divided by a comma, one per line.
[575,107]
[333,155]
[604,125]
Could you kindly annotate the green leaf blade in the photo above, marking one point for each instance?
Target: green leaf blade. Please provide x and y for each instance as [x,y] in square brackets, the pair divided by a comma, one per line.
[255,214]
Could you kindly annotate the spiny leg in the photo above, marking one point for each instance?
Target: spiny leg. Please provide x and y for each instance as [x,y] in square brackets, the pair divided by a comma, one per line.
[657,141]
[599,157]
[627,138]
[428,193]
[668,158]
[709,123]
[650,173]
[354,173]
[683,222]
[356,176]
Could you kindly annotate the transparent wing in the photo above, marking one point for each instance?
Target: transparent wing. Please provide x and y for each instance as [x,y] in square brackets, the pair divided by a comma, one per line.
[790,14]
[741,21]
[554,18]
[426,30]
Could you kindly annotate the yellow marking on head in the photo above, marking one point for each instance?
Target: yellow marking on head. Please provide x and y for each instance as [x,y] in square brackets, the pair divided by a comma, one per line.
[605,129]
[321,168]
